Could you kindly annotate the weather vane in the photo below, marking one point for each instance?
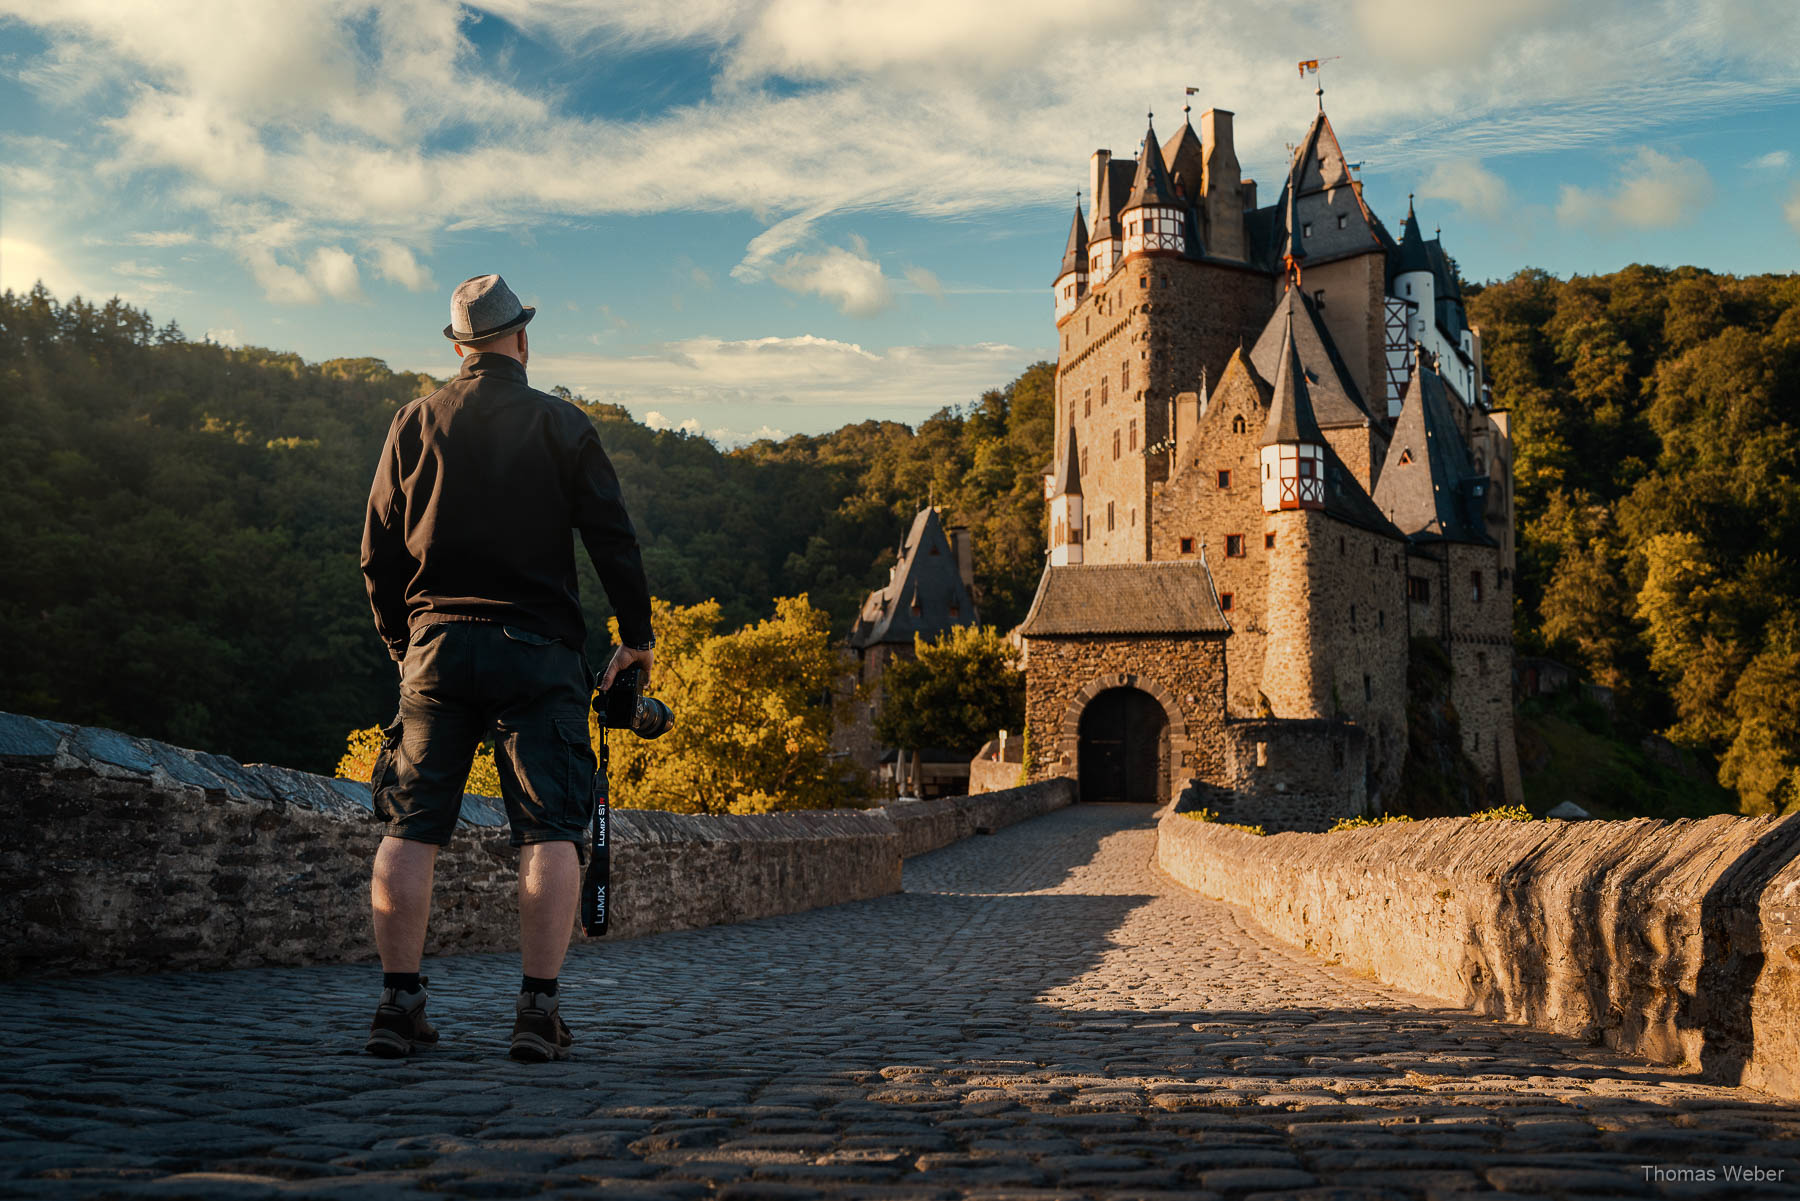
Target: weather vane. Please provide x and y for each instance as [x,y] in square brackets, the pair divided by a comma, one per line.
[1312,65]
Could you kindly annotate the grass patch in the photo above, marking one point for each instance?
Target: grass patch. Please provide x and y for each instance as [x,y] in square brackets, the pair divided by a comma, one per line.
[1211,818]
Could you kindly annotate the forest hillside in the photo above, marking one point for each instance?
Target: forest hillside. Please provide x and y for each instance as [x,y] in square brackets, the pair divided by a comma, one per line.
[182,519]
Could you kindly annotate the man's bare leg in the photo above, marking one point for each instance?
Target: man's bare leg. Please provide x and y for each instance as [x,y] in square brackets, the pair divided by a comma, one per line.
[400,895]
[549,894]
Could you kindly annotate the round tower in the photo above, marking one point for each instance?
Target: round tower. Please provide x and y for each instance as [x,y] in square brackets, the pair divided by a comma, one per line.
[1072,277]
[1155,216]
[1414,281]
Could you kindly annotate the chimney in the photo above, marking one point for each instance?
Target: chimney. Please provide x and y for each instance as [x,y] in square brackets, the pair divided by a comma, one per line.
[1249,187]
[1221,183]
[964,545]
[1096,173]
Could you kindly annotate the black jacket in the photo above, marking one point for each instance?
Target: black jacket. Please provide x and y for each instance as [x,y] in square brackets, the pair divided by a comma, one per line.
[469,517]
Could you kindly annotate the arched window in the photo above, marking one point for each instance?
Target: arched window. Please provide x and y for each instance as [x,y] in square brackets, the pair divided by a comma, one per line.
[1237,424]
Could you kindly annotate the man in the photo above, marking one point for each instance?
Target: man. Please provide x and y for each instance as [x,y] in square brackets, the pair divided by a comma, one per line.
[470,566]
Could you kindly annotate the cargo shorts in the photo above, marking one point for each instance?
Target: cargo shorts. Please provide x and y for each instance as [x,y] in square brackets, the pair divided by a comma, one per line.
[460,681]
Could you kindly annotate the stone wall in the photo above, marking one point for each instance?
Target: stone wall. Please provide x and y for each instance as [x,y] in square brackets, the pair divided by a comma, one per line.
[123,854]
[1186,674]
[928,825]
[1677,941]
[1293,775]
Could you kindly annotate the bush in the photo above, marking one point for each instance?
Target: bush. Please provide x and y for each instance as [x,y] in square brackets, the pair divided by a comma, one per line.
[1208,816]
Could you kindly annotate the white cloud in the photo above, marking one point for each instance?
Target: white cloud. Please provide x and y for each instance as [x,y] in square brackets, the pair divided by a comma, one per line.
[133,269]
[1774,160]
[333,271]
[697,373]
[926,282]
[1471,187]
[224,337]
[1655,191]
[1791,210]
[848,278]
[395,262]
[367,120]
[160,238]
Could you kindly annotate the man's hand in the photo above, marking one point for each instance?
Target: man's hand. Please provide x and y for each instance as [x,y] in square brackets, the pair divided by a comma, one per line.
[623,658]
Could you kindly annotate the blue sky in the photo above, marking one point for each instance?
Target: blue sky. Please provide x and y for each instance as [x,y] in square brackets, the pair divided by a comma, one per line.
[751,217]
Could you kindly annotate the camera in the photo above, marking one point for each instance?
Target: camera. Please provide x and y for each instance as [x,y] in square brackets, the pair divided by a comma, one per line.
[625,707]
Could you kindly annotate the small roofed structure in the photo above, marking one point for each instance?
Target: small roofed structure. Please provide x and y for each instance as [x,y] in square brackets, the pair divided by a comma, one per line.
[930,588]
[1125,598]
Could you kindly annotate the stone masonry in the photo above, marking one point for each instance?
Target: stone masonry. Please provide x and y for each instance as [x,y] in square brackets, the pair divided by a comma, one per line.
[1039,1015]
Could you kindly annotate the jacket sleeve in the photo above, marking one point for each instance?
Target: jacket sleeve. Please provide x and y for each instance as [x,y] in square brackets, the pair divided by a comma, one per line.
[606,531]
[386,563]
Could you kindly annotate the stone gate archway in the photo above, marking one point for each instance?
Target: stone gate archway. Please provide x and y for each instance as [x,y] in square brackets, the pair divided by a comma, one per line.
[1127,740]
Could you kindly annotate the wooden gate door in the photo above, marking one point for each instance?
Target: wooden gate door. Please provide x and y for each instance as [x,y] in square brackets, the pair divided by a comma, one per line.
[1120,753]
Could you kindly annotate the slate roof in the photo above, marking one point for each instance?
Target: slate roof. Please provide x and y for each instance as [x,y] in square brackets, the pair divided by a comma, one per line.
[1075,256]
[1413,256]
[1124,598]
[1336,400]
[1184,156]
[1115,186]
[1428,485]
[1291,416]
[1152,184]
[925,576]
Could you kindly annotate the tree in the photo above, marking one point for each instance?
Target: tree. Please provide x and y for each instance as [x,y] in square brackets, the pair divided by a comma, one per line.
[753,715]
[955,693]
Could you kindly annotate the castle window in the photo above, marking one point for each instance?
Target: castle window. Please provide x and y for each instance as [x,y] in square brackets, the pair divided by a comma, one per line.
[1224,479]
[1237,424]
[1375,551]
[1115,444]
[1405,455]
[1087,402]
[1225,601]
[1084,469]
[1109,514]
[918,607]
[1475,586]
[1477,740]
[1124,375]
[1319,300]
[1268,542]
[1481,662]
[1133,433]
[1341,548]
[1342,220]
[1134,517]
[1104,380]
[1262,754]
[1187,546]
[1087,524]
[1368,688]
[1353,617]
[1234,546]
[1306,230]
[1418,588]
[955,611]
[1143,281]
[1381,619]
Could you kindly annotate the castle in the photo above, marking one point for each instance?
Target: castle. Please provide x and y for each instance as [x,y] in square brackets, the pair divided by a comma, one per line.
[1276,465]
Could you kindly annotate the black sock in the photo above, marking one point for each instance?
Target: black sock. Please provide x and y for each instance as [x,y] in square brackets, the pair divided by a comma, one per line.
[538,984]
[400,982]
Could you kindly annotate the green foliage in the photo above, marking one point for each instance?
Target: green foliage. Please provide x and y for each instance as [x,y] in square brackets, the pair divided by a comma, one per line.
[183,523]
[955,693]
[1658,484]
[753,715]
[1571,750]
[1211,818]
[1358,823]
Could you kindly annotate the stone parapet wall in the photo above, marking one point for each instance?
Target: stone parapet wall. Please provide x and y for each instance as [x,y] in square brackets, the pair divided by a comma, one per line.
[1677,941]
[928,825]
[123,854]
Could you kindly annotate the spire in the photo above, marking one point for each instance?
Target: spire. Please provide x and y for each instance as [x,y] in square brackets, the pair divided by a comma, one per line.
[1412,243]
[1152,185]
[1075,256]
[1290,409]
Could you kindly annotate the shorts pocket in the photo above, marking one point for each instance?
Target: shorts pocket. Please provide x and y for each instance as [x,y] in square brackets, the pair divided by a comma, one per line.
[383,777]
[572,733]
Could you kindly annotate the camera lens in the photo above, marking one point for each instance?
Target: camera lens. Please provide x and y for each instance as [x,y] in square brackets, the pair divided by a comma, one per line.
[652,719]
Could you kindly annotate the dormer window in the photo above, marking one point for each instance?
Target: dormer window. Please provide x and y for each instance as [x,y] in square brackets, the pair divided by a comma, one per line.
[1405,456]
[1306,230]
[1342,220]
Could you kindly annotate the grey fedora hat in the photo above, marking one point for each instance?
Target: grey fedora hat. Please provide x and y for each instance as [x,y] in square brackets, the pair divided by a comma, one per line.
[483,307]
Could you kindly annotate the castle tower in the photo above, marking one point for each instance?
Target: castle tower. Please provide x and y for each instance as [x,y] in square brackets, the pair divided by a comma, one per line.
[1295,679]
[1065,507]
[1105,245]
[1414,281]
[1072,277]
[1155,218]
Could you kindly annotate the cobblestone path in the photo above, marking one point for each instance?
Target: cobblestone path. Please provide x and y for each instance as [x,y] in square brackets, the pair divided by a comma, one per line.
[1041,1014]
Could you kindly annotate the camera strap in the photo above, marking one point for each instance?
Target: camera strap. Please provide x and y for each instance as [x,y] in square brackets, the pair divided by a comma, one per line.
[599,870]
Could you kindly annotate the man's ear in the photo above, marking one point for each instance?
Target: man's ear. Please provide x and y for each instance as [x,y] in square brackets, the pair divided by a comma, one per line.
[524,347]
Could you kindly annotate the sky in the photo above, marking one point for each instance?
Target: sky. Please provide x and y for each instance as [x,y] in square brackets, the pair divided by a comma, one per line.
[763,217]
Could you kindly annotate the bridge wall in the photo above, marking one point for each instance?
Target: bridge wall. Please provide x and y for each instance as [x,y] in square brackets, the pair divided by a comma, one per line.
[1677,941]
[123,854]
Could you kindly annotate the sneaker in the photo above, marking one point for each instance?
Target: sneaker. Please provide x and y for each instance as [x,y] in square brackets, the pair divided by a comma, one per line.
[400,1024]
[539,1033]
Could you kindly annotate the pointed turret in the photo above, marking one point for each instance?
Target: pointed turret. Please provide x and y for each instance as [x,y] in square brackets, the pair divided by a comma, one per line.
[1071,279]
[1155,218]
[1413,255]
[1293,447]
